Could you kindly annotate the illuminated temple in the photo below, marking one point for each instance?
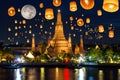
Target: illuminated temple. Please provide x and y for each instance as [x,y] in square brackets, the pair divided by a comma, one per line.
[59,42]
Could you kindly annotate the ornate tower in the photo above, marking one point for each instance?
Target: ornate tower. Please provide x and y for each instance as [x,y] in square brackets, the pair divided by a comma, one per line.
[82,51]
[33,43]
[59,41]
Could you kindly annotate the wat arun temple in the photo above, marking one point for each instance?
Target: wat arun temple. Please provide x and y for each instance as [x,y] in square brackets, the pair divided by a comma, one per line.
[59,43]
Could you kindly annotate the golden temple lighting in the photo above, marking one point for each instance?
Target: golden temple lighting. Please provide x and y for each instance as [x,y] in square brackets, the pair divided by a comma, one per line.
[73,6]
[11,11]
[111,5]
[99,12]
[80,22]
[49,14]
[56,3]
[101,28]
[87,20]
[111,33]
[87,4]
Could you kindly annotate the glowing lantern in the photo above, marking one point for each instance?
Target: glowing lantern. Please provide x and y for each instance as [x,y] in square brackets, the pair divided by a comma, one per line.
[16,34]
[9,29]
[73,6]
[18,9]
[16,27]
[111,5]
[28,41]
[99,12]
[41,5]
[101,28]
[111,34]
[87,4]
[11,11]
[23,21]
[86,33]
[80,22]
[15,21]
[49,13]
[56,3]
[87,20]
[71,18]
[72,27]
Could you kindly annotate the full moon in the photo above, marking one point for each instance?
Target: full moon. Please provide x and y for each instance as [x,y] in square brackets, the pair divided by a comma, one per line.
[28,12]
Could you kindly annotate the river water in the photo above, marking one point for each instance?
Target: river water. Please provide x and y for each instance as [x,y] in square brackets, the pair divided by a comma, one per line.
[84,73]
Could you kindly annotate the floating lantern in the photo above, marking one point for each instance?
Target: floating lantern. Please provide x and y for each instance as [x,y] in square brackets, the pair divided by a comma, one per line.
[80,22]
[15,21]
[41,5]
[111,5]
[9,29]
[49,13]
[11,11]
[101,28]
[19,10]
[72,27]
[56,3]
[87,4]
[87,20]
[86,33]
[111,34]
[28,41]
[23,21]
[16,34]
[71,18]
[73,6]
[16,27]
[99,12]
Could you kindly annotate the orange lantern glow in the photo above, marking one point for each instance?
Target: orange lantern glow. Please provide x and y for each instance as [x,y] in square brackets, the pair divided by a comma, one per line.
[71,18]
[80,22]
[101,28]
[56,3]
[111,34]
[23,21]
[111,5]
[99,12]
[73,6]
[87,4]
[49,14]
[41,5]
[11,11]
[87,20]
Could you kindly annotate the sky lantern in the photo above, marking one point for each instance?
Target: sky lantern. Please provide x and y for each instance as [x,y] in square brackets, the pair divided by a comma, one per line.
[111,34]
[101,28]
[19,10]
[49,14]
[41,5]
[56,3]
[71,18]
[110,5]
[99,12]
[88,20]
[9,29]
[23,21]
[87,4]
[15,21]
[11,11]
[73,6]
[80,22]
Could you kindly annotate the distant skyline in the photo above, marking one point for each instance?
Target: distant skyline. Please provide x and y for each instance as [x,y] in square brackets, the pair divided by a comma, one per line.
[43,28]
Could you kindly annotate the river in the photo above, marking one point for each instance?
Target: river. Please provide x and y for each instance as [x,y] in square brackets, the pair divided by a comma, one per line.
[84,73]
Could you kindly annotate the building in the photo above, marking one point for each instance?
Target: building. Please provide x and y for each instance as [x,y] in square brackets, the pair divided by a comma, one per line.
[59,42]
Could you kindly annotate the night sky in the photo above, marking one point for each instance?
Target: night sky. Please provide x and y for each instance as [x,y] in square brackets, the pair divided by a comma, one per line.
[32,26]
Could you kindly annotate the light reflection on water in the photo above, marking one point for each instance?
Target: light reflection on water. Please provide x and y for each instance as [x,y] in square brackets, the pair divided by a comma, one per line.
[42,73]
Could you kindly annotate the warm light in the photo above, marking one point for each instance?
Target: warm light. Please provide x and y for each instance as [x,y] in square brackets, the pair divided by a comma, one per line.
[49,14]
[99,12]
[80,22]
[56,3]
[73,6]
[111,34]
[23,21]
[11,11]
[87,20]
[87,4]
[41,5]
[19,10]
[101,28]
[15,21]
[111,5]
[29,55]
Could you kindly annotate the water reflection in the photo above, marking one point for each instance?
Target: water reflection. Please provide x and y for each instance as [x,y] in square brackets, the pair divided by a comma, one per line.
[85,73]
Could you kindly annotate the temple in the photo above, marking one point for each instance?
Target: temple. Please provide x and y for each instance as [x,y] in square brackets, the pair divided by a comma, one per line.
[59,42]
